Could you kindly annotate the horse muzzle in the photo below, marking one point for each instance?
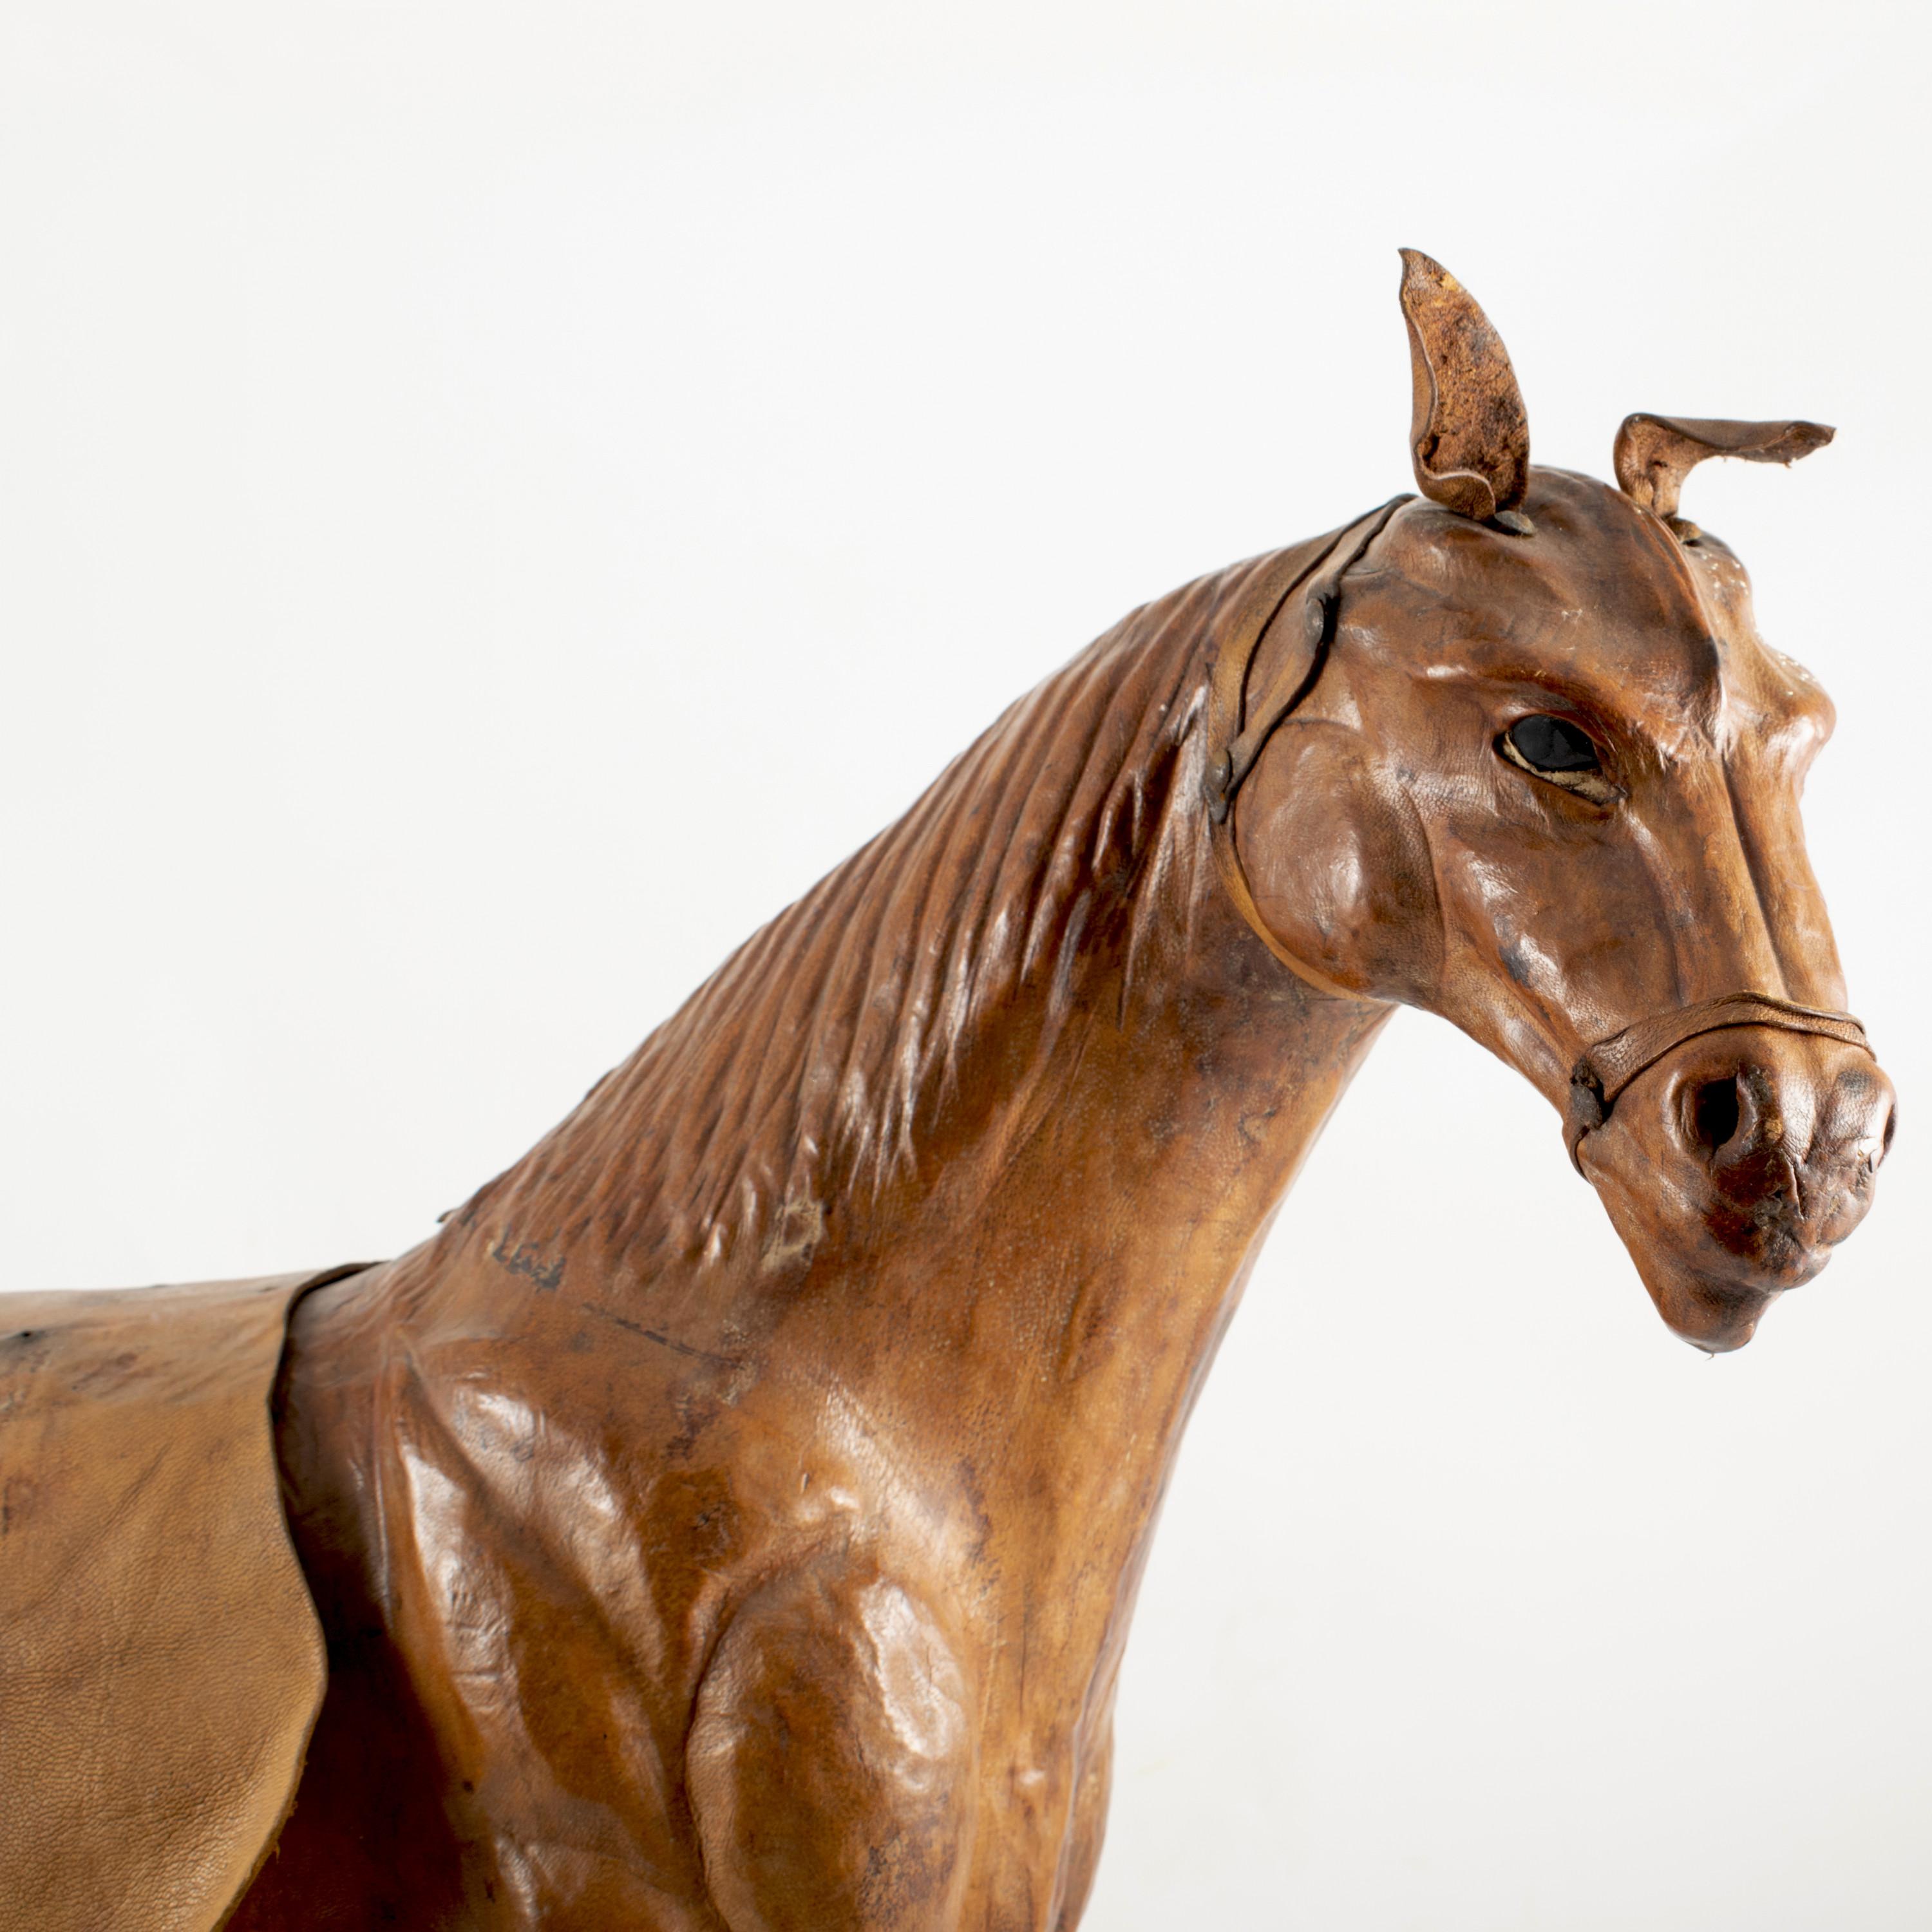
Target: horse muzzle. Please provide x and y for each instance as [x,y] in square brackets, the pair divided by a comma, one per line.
[1733,1164]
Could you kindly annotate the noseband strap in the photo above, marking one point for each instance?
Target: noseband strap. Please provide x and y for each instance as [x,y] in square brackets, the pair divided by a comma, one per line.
[1612,1064]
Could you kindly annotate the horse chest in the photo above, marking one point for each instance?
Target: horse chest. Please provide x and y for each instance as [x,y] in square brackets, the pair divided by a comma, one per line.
[754,1657]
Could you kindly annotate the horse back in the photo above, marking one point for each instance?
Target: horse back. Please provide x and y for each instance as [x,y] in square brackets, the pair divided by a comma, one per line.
[161,1665]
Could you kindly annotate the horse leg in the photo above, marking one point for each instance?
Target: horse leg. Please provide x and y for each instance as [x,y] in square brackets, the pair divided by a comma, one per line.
[829,1759]
[1087,1827]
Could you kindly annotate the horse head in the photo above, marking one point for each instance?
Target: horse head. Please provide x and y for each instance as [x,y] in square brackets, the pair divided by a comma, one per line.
[1514,752]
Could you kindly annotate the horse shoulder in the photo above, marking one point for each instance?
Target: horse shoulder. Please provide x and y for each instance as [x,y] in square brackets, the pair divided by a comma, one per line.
[830,1757]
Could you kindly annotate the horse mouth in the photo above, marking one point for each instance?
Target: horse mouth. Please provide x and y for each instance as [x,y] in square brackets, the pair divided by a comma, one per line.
[1711,1271]
[1711,1313]
[1710,1282]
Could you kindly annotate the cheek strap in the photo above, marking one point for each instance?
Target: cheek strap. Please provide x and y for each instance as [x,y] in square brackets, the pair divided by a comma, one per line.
[1240,723]
[1612,1064]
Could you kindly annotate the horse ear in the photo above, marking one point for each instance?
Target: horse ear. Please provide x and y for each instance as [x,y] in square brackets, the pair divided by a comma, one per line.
[1654,454]
[1469,434]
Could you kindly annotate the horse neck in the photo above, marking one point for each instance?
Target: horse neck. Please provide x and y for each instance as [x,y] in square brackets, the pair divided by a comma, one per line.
[1032,1314]
[1026,1023]
[1012,1278]
[1091,1225]
[1031,993]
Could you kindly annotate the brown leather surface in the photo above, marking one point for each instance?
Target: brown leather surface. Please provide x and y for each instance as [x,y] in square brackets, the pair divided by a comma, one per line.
[160,1663]
[1653,455]
[730,1519]
[1468,431]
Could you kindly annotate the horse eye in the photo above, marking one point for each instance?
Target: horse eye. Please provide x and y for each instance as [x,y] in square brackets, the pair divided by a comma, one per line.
[1552,745]
[1560,754]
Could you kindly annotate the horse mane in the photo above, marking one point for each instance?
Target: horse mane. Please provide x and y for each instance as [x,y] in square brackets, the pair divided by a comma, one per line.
[803,1073]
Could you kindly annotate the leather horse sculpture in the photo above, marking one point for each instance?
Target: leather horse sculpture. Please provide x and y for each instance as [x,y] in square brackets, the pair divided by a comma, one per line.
[731,1518]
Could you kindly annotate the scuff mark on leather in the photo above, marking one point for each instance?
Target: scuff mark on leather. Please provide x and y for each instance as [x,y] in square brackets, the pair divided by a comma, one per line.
[663,1340]
[526,1261]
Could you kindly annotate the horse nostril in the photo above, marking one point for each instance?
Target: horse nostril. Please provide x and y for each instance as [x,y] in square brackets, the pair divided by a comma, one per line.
[1711,1112]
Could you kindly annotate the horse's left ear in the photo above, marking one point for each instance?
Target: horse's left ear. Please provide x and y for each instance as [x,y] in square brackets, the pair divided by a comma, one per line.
[1654,454]
[1469,434]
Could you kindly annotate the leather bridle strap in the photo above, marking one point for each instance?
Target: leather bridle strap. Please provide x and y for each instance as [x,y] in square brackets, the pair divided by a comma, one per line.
[1239,729]
[1612,1064]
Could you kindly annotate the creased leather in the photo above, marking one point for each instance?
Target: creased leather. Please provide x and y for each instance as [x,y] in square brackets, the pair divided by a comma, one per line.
[161,1665]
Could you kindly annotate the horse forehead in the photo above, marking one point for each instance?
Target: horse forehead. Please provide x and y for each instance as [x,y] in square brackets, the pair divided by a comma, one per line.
[1599,593]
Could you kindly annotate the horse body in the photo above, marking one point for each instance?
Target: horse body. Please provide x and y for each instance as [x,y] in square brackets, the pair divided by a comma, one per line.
[730,1520]
[752,1579]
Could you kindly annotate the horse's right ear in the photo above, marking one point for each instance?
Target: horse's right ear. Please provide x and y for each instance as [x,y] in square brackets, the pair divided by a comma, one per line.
[1469,434]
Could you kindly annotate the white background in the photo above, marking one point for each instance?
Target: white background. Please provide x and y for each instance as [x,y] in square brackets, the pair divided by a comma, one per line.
[495,500]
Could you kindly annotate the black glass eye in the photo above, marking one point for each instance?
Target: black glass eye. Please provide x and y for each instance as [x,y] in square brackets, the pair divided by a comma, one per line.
[1553,745]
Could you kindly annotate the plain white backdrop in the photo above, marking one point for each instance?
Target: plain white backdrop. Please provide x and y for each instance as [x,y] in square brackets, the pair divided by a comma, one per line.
[495,500]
